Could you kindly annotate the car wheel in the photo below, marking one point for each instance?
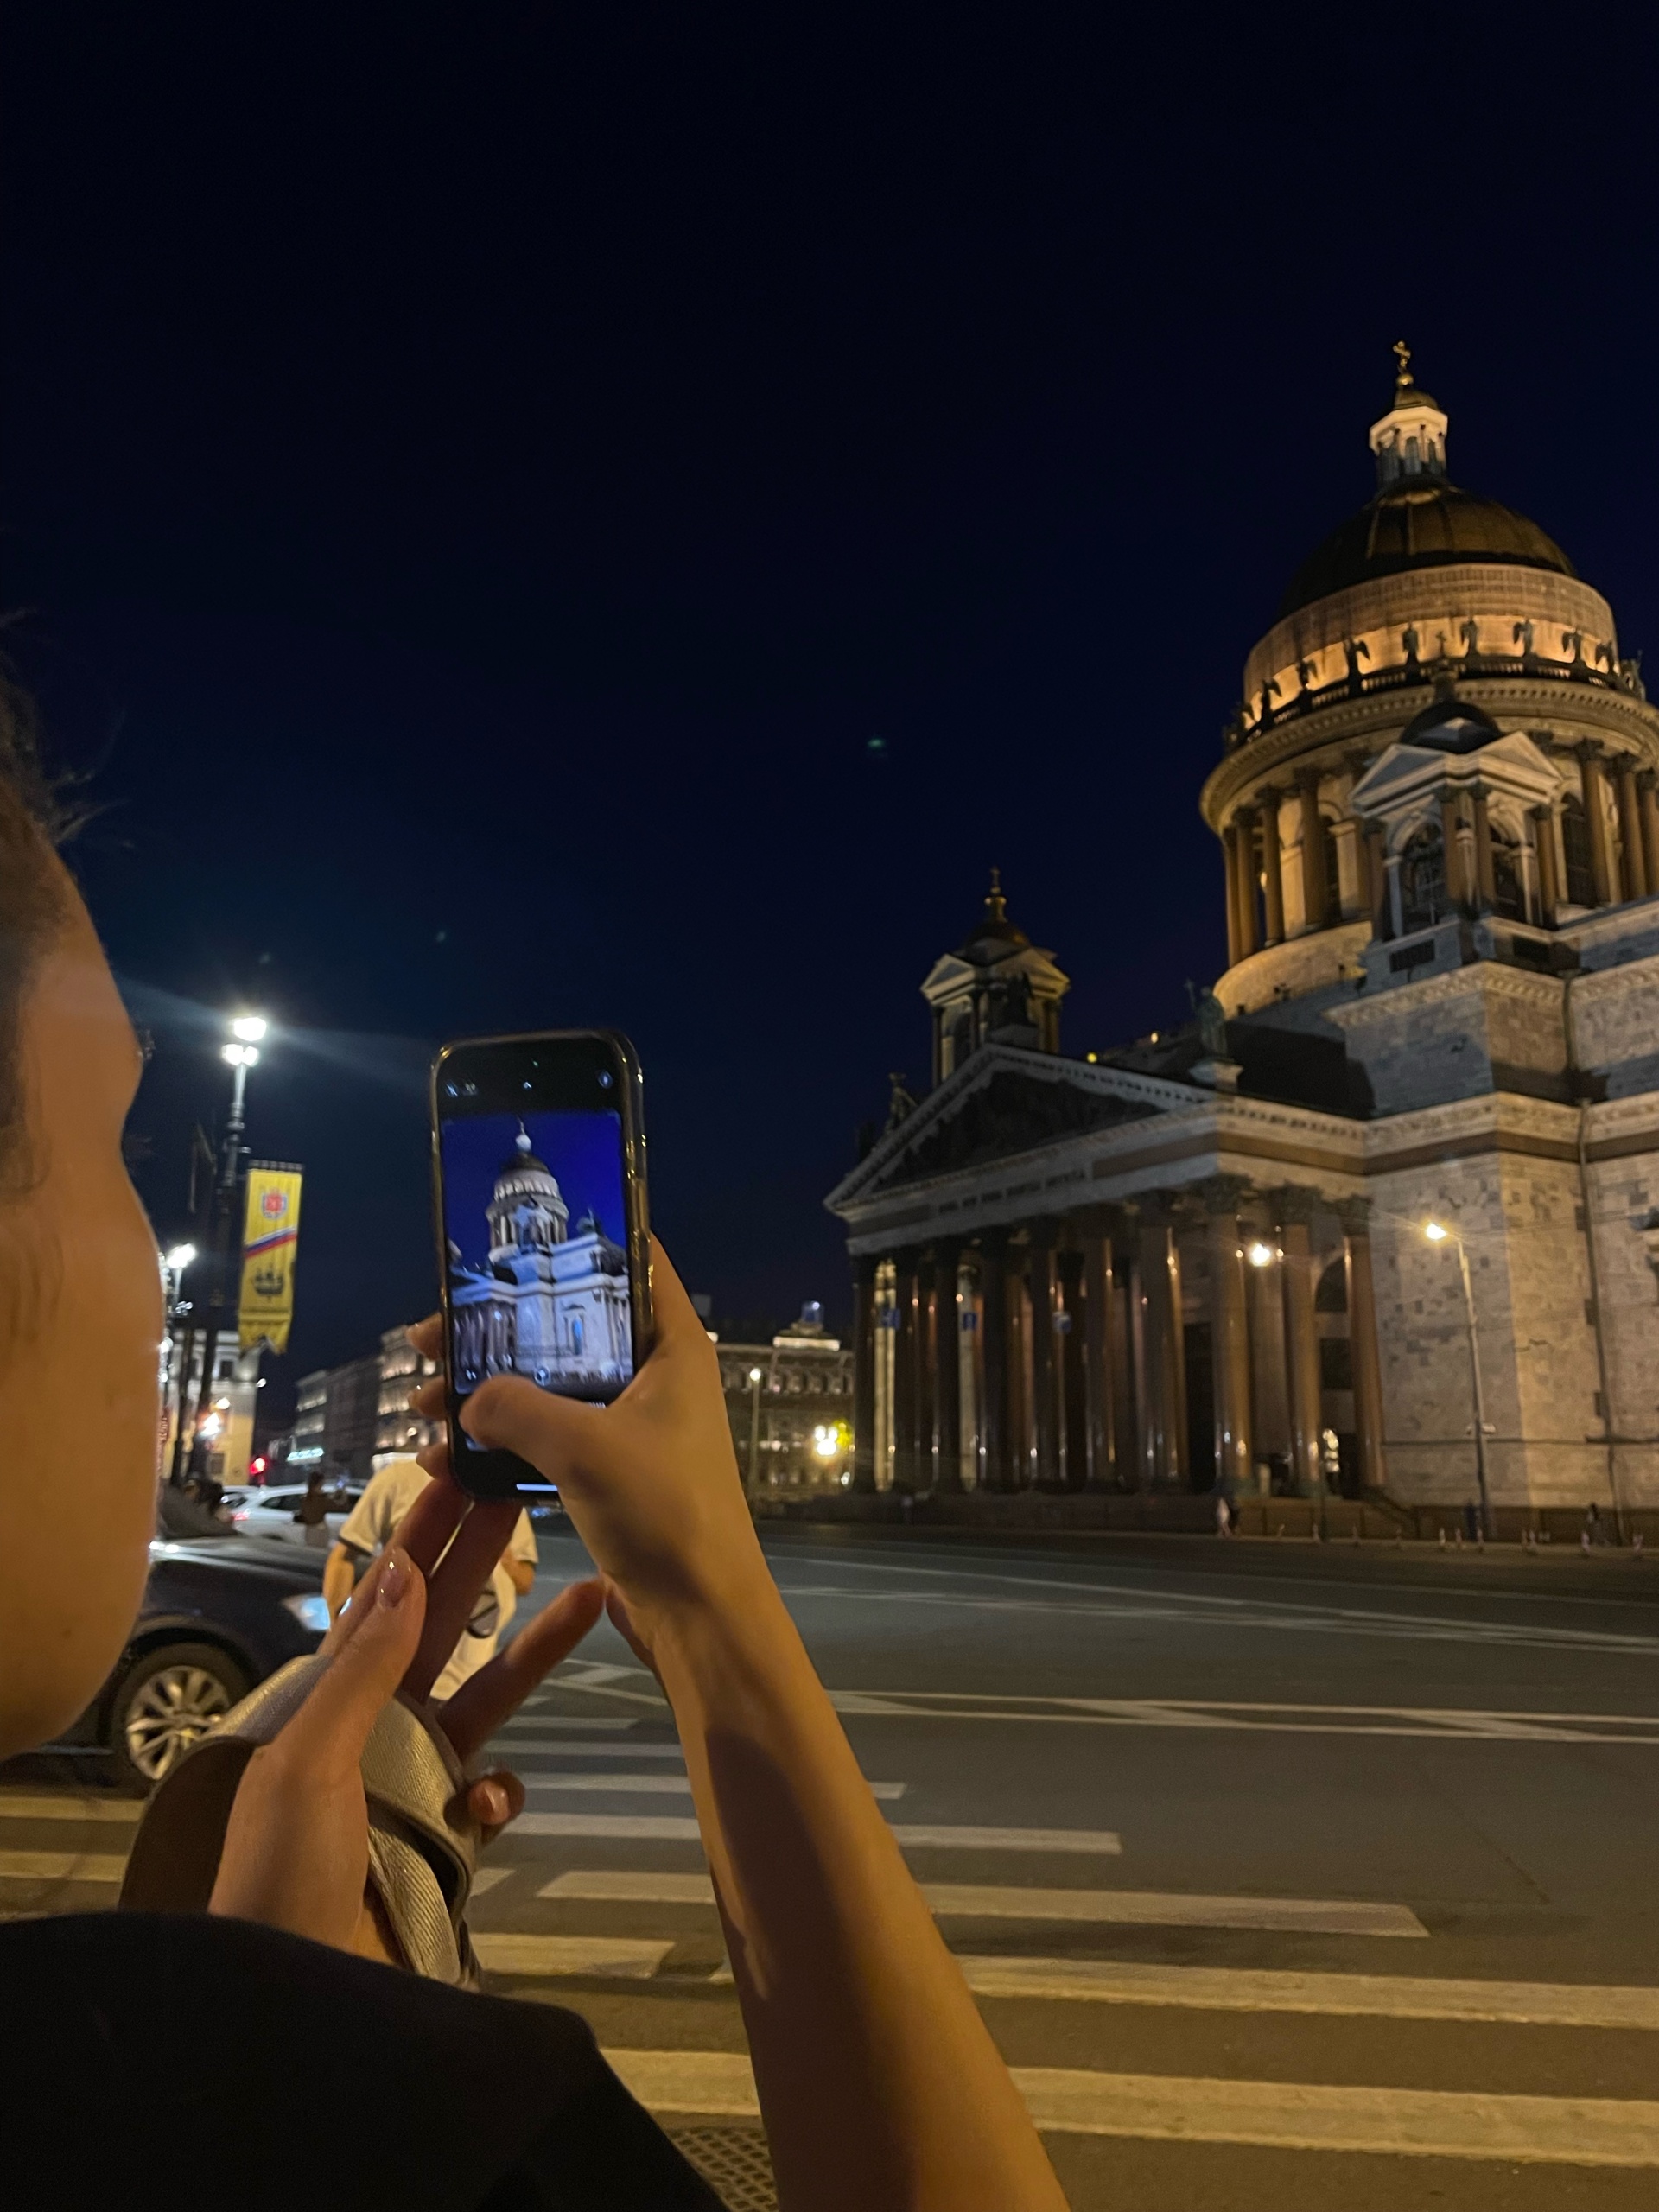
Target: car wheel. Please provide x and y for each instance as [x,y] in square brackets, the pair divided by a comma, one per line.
[171,1698]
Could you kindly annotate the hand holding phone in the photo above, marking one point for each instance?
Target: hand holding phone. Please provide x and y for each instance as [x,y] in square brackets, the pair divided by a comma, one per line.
[539,1178]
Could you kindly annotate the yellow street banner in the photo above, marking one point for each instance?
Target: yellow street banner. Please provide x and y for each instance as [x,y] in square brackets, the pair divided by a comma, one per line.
[269,1239]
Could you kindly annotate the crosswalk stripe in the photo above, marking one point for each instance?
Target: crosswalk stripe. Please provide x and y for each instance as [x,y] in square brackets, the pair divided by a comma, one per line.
[517,1746]
[487,1876]
[613,1885]
[664,1827]
[1101,1842]
[1308,1916]
[1287,2115]
[651,1828]
[19,1808]
[630,1958]
[1403,1997]
[61,1866]
[640,1784]
[569,1724]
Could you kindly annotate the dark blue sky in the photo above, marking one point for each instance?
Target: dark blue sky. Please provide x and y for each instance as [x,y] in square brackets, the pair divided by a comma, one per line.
[480,479]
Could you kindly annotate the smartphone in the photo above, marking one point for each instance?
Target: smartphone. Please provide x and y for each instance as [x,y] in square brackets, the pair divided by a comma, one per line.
[538,1161]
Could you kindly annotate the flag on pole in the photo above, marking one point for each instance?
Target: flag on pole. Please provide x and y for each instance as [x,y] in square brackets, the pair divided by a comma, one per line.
[270,1240]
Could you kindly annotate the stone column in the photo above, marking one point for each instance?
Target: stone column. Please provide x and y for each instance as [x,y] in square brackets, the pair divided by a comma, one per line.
[1229,855]
[1315,909]
[1485,877]
[1018,1368]
[1594,773]
[1248,927]
[1633,862]
[947,1365]
[1301,1339]
[1647,807]
[1356,1216]
[1099,1394]
[1549,888]
[906,1475]
[1161,1408]
[864,1373]
[1393,906]
[1068,1359]
[1229,1336]
[926,1368]
[994,1358]
[1459,889]
[1272,868]
[1045,1392]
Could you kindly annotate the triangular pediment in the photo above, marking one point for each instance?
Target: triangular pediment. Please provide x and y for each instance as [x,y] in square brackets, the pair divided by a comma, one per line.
[1000,1104]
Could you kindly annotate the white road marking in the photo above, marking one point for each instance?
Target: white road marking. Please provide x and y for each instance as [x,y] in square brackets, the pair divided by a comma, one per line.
[487,1878]
[519,1744]
[1401,1997]
[1138,1908]
[15,1807]
[1102,1842]
[617,1885]
[1453,1724]
[664,1827]
[677,1784]
[654,1827]
[1292,2115]
[1158,1909]
[60,1866]
[631,1957]
[570,1724]
[1130,1604]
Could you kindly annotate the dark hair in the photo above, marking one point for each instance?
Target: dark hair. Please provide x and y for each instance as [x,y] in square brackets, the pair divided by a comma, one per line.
[32,902]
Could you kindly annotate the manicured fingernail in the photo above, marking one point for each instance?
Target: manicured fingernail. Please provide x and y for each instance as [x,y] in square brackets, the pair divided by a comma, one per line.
[395,1578]
[492,1807]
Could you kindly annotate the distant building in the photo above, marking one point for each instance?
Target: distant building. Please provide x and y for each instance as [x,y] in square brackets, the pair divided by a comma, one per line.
[790,1406]
[226,1409]
[399,1433]
[336,1416]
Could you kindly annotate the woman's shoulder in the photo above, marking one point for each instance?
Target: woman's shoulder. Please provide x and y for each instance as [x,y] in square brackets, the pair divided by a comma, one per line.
[217,2052]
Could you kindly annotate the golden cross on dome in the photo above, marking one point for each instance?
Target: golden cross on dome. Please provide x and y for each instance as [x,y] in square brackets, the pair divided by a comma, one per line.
[1402,354]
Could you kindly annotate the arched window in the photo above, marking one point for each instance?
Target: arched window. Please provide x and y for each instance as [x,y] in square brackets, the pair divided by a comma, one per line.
[1575,846]
[1422,880]
[577,1332]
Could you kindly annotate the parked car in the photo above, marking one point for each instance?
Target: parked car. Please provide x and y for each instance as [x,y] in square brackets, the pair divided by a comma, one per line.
[270,1513]
[220,1614]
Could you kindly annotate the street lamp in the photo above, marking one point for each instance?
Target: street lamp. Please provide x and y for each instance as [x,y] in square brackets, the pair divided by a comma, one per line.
[240,1053]
[1438,1233]
[754,1423]
[1260,1255]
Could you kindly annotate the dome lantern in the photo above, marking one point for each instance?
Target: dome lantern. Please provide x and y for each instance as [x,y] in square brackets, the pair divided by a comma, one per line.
[1410,439]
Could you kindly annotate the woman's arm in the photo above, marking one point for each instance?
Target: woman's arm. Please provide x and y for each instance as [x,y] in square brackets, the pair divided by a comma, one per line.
[880,2085]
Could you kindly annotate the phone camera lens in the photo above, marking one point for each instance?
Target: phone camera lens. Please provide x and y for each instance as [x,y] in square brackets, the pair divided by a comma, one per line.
[604,1079]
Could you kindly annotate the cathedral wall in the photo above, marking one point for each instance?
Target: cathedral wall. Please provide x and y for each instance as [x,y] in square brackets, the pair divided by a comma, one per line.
[1529,1272]
[1625,1200]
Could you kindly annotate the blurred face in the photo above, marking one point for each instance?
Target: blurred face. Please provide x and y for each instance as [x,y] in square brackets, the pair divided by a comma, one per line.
[81,1324]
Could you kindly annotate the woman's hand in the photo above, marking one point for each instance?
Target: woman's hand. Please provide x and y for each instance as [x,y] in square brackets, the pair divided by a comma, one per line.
[650,1482]
[297,1847]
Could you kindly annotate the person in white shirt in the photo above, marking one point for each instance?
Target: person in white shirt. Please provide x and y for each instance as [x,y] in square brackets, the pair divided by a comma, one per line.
[368,1529]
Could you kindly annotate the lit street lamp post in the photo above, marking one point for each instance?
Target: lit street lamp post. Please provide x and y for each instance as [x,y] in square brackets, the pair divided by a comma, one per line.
[240,1054]
[755,1427]
[1438,1233]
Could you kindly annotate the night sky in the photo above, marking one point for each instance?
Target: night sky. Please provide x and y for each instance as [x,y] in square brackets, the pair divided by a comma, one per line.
[530,516]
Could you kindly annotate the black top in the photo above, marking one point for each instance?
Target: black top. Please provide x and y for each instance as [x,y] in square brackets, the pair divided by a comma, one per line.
[183,2061]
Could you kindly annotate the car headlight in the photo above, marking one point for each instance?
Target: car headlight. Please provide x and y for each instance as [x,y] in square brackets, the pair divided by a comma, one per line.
[310,1609]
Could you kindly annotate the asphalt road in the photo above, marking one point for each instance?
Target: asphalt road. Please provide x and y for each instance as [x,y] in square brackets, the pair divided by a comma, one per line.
[1285,1876]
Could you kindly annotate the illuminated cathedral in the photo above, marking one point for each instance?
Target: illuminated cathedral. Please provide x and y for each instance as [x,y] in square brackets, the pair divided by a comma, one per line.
[1235,1256]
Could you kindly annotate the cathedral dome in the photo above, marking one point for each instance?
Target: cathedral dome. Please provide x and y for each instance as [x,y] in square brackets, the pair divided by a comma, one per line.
[1420,522]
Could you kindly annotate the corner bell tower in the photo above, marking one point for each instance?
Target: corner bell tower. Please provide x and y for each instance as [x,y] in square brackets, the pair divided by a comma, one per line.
[997,987]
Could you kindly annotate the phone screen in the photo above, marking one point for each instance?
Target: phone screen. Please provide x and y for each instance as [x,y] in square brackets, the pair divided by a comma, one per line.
[535,1222]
